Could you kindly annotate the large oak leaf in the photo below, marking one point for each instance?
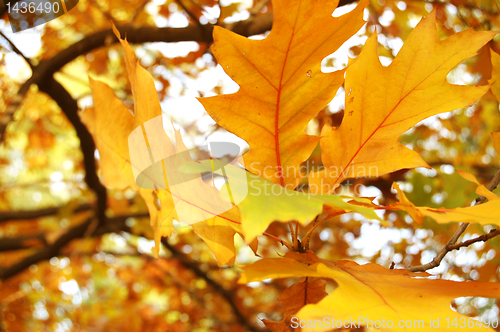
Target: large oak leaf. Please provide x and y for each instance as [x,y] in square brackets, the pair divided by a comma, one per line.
[371,292]
[384,102]
[111,125]
[486,214]
[281,84]
[277,203]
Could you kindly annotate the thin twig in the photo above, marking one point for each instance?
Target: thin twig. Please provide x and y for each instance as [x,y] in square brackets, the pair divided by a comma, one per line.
[190,14]
[139,9]
[293,235]
[283,242]
[16,50]
[226,294]
[104,12]
[483,238]
[451,245]
[258,7]
[307,237]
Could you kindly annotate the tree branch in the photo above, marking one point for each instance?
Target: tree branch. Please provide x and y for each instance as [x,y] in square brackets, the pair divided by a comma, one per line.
[116,224]
[69,107]
[46,69]
[46,253]
[25,242]
[451,245]
[33,214]
[138,35]
[189,13]
[16,50]
[483,238]
[228,296]
[113,225]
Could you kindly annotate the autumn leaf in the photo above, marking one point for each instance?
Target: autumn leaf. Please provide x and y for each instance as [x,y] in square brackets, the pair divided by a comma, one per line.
[496,141]
[294,298]
[125,162]
[486,214]
[111,143]
[384,102]
[110,122]
[371,292]
[276,203]
[280,204]
[281,84]
[495,74]
[190,200]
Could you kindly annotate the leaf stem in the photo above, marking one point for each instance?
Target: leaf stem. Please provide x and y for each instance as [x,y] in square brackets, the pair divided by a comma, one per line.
[452,245]
[283,242]
[307,237]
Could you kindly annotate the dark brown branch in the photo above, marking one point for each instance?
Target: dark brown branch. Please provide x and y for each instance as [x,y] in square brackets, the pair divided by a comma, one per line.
[228,296]
[139,10]
[451,245]
[45,70]
[481,238]
[70,108]
[46,253]
[115,224]
[16,50]
[138,35]
[28,214]
[25,242]
[112,225]
[118,224]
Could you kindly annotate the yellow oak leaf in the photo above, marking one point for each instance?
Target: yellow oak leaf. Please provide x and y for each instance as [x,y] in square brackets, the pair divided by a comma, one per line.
[384,102]
[481,190]
[181,196]
[486,214]
[372,293]
[218,234]
[110,122]
[126,155]
[281,84]
[294,298]
[496,141]
[110,140]
[277,203]
[495,75]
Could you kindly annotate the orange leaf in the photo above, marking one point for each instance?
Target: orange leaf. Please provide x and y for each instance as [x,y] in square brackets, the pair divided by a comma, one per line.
[281,84]
[495,75]
[486,214]
[496,141]
[384,102]
[124,157]
[371,292]
[298,295]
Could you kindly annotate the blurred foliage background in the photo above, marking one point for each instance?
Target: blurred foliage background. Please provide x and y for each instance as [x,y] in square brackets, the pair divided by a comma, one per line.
[61,271]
